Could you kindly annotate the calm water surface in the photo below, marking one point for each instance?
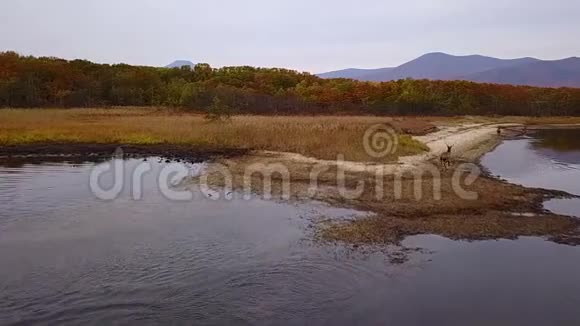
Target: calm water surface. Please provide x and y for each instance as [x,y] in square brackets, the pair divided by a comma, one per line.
[69,258]
[549,159]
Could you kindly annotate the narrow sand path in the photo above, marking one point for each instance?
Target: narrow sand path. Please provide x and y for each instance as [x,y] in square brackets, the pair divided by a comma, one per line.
[464,138]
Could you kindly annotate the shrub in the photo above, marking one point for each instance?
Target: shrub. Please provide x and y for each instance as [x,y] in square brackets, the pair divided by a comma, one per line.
[218,111]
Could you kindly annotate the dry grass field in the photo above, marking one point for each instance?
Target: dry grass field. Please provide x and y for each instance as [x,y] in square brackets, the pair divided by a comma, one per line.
[322,137]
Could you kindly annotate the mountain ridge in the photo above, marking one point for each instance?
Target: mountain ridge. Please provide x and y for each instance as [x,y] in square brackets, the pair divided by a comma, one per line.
[477,68]
[549,73]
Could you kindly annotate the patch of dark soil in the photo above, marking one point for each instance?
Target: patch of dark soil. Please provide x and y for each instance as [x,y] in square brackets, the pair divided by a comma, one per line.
[567,239]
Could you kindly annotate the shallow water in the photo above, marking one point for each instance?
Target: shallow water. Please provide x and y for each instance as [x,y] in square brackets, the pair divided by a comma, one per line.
[549,159]
[70,258]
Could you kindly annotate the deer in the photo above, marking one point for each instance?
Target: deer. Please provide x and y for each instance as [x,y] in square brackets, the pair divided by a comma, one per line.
[446,157]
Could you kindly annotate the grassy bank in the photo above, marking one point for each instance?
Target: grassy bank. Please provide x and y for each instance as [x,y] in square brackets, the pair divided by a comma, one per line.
[322,137]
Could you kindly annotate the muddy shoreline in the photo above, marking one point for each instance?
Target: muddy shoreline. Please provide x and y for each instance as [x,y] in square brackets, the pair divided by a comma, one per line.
[87,152]
[501,211]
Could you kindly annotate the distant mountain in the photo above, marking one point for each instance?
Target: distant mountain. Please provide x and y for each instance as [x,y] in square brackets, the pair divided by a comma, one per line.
[351,73]
[441,66]
[180,63]
[558,73]
[444,67]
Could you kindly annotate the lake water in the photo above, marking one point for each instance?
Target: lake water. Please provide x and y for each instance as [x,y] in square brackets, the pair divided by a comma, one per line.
[68,257]
[549,159]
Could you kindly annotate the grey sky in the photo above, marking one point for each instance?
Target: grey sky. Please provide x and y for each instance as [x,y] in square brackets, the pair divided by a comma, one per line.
[306,35]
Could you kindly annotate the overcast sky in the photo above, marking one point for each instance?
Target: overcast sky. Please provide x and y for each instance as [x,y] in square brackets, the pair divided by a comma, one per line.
[310,35]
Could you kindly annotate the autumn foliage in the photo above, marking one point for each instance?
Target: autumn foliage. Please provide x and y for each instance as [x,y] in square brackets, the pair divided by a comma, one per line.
[52,82]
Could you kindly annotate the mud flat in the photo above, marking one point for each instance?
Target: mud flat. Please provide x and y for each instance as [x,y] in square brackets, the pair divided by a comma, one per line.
[412,196]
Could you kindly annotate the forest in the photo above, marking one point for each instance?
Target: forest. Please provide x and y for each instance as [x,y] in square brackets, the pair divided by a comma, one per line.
[27,82]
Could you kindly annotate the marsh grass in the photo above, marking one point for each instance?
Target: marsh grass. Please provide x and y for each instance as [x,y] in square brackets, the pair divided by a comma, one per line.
[322,137]
[527,120]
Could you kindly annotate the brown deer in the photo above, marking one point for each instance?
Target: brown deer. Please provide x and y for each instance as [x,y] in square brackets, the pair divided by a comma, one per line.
[446,157]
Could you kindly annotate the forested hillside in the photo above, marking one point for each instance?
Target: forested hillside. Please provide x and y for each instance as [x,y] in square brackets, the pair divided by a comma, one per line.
[52,82]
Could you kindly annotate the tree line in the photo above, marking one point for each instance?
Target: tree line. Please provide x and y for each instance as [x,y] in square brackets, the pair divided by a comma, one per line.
[27,81]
